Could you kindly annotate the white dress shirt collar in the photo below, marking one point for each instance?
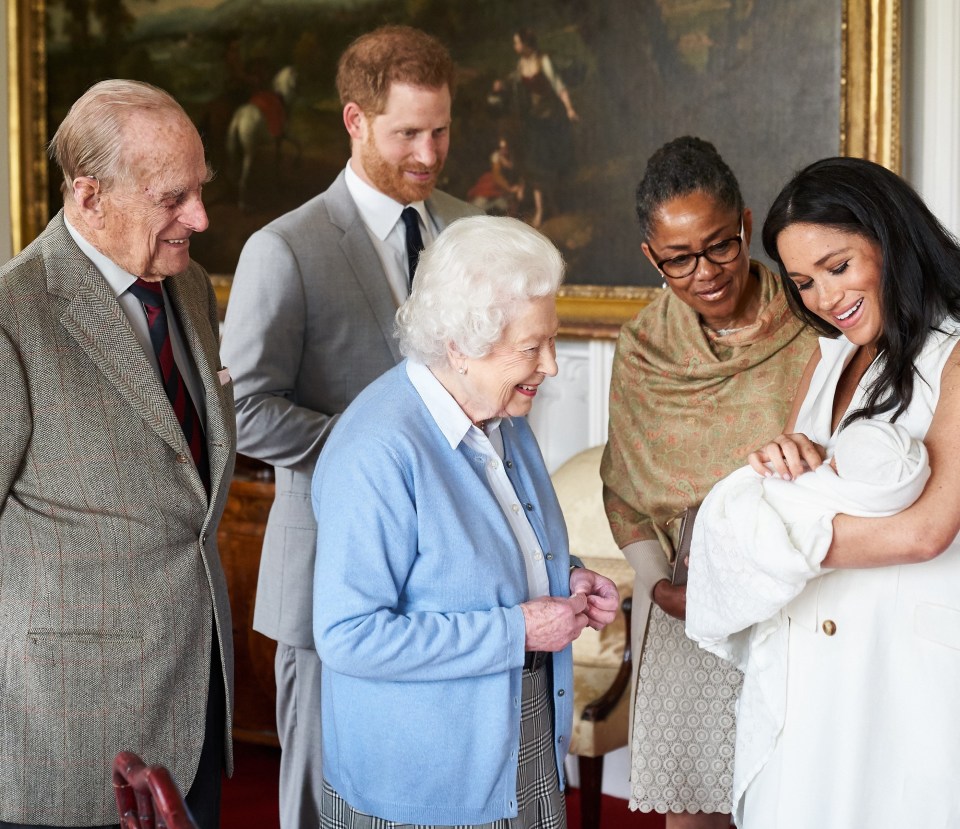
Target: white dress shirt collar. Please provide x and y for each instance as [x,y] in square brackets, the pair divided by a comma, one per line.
[488,448]
[379,212]
[452,420]
[117,278]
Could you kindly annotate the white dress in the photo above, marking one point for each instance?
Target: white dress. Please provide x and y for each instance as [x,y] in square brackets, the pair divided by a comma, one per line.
[872,729]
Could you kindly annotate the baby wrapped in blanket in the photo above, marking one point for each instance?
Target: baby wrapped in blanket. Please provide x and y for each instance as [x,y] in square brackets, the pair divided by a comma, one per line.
[756,544]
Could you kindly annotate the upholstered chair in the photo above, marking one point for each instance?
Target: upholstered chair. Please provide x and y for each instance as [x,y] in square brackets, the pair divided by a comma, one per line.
[601,660]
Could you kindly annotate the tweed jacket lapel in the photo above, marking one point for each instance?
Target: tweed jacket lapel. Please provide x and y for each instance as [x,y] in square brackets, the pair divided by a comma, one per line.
[191,304]
[93,317]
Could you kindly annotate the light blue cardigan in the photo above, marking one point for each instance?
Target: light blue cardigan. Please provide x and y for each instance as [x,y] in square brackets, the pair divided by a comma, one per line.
[416,612]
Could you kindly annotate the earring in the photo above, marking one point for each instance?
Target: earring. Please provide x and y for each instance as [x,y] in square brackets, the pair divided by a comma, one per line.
[462,370]
[664,284]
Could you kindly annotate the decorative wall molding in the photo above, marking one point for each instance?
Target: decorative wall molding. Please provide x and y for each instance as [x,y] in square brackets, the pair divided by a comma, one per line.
[934,126]
[571,410]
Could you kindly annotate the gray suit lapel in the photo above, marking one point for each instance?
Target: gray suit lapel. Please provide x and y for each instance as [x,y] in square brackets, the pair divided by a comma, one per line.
[363,259]
[444,208]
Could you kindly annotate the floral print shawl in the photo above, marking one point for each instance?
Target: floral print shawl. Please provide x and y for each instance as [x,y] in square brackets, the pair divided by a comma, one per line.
[688,405]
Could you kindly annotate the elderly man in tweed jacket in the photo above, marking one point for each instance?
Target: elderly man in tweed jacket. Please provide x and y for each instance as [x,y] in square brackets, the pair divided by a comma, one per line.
[117,450]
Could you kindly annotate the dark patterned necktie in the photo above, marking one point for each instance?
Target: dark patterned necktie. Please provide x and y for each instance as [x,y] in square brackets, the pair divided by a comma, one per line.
[150,295]
[411,221]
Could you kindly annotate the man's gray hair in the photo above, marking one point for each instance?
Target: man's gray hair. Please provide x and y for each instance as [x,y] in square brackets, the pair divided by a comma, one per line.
[471,282]
[89,141]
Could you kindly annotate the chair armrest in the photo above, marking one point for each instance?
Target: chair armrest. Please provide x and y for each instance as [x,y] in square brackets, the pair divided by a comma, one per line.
[147,796]
[600,708]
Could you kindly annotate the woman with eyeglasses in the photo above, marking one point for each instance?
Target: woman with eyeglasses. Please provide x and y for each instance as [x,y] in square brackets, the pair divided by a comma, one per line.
[700,377]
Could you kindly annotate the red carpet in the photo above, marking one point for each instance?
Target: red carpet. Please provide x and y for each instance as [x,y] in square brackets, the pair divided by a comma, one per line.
[250,797]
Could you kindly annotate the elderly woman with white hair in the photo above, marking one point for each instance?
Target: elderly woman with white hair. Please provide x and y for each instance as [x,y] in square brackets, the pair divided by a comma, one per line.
[445,595]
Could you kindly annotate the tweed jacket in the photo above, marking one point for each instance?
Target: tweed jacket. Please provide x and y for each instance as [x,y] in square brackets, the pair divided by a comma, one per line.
[109,569]
[309,326]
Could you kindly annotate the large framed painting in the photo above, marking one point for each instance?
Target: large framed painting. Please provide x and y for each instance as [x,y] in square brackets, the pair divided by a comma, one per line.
[774,84]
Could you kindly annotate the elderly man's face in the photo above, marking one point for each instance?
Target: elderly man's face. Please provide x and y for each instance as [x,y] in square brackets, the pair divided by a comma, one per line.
[149,218]
[403,149]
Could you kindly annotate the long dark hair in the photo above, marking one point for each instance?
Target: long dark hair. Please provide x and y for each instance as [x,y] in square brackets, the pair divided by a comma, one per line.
[920,272]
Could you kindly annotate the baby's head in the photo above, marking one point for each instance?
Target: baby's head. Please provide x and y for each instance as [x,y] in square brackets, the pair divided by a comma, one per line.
[875,452]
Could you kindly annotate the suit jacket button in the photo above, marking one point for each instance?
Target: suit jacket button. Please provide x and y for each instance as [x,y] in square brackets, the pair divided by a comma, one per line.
[829,627]
[181,458]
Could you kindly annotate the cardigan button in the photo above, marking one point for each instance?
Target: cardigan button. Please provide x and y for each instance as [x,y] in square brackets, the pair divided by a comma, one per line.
[829,627]
[529,507]
[561,692]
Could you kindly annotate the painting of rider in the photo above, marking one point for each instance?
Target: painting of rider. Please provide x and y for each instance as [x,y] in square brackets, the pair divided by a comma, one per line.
[559,102]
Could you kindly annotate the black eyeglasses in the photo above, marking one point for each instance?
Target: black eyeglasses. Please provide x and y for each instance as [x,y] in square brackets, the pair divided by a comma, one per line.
[720,253]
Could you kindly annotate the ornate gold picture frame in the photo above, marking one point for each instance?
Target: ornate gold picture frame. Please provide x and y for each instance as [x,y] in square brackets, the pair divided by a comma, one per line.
[869,126]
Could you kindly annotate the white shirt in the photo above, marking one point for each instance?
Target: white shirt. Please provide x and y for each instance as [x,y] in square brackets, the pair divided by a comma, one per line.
[381,216]
[456,428]
[119,281]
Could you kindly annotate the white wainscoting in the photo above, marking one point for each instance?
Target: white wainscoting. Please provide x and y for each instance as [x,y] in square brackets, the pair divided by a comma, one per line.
[570,412]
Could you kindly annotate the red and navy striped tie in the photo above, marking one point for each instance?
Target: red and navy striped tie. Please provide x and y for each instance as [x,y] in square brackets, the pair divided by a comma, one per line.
[150,295]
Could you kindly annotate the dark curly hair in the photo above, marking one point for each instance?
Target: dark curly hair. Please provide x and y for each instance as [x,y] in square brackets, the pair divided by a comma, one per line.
[920,272]
[682,166]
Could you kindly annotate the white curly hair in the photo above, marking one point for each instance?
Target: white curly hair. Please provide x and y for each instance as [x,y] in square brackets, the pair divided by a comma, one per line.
[470,283]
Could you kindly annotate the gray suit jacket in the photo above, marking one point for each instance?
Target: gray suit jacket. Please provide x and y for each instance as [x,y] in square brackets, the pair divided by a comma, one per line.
[109,570]
[309,326]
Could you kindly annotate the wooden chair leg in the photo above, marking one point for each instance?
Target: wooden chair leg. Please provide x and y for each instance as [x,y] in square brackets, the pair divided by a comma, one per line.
[591,776]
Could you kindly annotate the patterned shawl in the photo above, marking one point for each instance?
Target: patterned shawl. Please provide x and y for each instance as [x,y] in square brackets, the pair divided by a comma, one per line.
[687,406]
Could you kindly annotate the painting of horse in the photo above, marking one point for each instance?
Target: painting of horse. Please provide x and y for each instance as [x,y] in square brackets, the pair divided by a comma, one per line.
[259,122]
[562,149]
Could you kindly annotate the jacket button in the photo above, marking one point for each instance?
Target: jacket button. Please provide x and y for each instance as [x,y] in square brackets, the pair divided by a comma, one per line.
[561,692]
[829,627]
[529,506]
[181,458]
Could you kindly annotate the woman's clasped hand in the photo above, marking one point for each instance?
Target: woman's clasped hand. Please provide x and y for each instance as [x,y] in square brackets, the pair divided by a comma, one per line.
[788,456]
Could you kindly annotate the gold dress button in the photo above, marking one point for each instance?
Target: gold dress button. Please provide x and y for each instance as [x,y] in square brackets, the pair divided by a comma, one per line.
[829,627]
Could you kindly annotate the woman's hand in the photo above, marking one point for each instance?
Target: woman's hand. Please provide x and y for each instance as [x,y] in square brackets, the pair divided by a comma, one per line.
[671,598]
[552,622]
[789,455]
[603,598]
